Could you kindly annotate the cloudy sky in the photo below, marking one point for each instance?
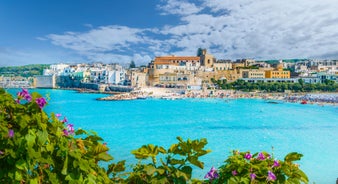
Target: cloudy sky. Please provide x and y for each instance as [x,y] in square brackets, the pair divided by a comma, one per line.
[40,31]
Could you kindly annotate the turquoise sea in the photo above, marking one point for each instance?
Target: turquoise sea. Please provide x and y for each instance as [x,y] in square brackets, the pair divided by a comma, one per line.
[243,124]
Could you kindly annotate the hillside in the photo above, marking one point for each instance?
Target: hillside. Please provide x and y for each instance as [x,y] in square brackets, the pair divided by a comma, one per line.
[24,71]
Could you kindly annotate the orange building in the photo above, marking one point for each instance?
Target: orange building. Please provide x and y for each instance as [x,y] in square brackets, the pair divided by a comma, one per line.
[279,73]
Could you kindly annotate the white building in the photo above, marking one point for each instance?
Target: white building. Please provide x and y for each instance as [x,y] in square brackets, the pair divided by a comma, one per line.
[55,69]
[45,81]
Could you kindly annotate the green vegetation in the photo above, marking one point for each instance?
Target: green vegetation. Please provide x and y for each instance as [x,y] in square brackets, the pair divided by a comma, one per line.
[327,86]
[244,167]
[23,71]
[176,166]
[39,148]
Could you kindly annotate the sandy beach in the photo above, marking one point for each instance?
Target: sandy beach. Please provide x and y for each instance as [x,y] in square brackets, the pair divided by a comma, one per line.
[172,93]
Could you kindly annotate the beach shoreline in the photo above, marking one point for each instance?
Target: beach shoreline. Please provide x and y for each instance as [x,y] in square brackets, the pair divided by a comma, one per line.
[320,98]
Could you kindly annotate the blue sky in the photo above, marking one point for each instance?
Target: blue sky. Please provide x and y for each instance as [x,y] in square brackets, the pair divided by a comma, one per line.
[72,31]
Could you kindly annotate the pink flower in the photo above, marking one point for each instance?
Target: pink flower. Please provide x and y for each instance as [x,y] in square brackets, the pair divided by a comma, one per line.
[261,156]
[271,176]
[65,132]
[212,174]
[70,128]
[276,163]
[247,156]
[234,173]
[10,133]
[252,176]
[65,120]
[57,115]
[1,152]
[41,102]
[24,94]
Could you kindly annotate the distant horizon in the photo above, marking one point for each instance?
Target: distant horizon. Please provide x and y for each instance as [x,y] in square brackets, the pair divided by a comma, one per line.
[82,31]
[138,65]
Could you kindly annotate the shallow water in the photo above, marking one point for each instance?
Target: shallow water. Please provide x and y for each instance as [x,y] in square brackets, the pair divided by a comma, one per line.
[243,124]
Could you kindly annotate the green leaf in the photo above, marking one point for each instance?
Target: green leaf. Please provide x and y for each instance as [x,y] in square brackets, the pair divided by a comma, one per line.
[80,131]
[42,137]
[21,165]
[100,149]
[176,161]
[173,148]
[179,139]
[180,174]
[202,152]
[18,176]
[30,138]
[118,167]
[84,165]
[187,170]
[302,176]
[146,151]
[194,160]
[94,138]
[34,181]
[104,156]
[161,171]
[162,150]
[292,157]
[65,166]
[150,169]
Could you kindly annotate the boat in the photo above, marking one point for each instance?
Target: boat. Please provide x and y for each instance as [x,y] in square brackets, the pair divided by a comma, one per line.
[303,102]
[272,102]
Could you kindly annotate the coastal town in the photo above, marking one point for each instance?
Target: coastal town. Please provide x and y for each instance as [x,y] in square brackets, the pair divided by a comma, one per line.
[172,77]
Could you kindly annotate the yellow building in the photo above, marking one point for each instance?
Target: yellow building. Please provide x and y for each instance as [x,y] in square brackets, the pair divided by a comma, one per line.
[279,73]
[229,75]
[207,60]
[138,79]
[253,73]
[222,65]
[176,60]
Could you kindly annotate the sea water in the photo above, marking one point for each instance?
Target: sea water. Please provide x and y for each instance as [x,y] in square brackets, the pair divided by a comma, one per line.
[240,124]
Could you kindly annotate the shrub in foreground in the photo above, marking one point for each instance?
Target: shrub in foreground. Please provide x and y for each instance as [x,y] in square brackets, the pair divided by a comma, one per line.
[245,167]
[37,148]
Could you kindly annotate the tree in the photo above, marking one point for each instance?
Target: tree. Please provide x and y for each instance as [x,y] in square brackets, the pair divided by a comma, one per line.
[199,52]
[132,64]
[301,82]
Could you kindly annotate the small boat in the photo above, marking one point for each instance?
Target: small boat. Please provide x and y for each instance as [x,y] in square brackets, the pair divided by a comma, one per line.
[303,102]
[272,102]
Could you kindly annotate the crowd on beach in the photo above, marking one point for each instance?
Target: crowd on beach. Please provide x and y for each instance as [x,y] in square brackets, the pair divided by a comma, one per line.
[314,98]
[321,98]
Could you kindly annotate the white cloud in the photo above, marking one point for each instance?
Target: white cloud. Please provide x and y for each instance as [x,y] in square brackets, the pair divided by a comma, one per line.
[105,38]
[278,29]
[261,29]
[178,7]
